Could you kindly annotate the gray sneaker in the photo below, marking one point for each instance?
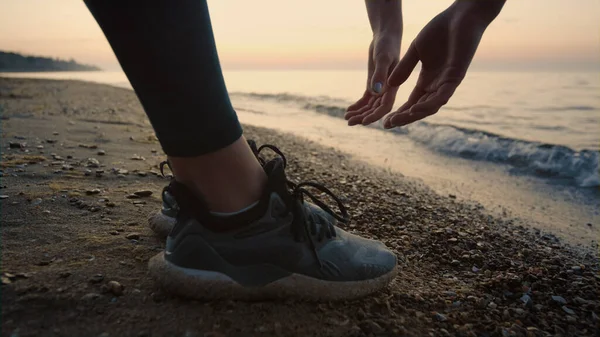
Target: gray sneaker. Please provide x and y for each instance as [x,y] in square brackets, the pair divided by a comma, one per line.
[163,221]
[282,248]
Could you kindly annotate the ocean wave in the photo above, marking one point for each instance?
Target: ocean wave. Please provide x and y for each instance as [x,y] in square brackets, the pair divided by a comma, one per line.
[566,108]
[544,160]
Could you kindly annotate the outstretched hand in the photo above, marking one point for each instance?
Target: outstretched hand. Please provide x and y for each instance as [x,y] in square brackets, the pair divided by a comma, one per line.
[378,98]
[445,48]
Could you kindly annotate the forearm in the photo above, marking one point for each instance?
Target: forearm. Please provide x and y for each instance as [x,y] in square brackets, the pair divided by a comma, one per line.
[484,11]
[385,16]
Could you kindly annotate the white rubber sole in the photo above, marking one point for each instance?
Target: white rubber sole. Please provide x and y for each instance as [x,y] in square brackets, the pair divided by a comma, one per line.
[161,224]
[202,284]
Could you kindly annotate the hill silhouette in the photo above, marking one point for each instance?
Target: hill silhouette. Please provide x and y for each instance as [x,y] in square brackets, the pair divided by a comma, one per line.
[14,62]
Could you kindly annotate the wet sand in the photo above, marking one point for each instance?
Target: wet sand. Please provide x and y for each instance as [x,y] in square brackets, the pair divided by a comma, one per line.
[75,248]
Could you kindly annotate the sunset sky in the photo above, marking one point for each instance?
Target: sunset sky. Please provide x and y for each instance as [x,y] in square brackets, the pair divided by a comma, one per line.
[331,34]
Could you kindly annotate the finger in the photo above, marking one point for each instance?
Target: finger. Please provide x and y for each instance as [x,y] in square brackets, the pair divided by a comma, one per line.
[361,102]
[405,67]
[414,97]
[384,108]
[364,108]
[383,64]
[426,108]
[359,118]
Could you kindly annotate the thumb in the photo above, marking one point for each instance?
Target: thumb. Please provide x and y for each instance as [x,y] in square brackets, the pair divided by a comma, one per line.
[383,64]
[405,67]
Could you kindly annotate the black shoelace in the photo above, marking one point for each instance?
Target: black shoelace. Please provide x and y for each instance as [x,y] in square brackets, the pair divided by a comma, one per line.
[306,223]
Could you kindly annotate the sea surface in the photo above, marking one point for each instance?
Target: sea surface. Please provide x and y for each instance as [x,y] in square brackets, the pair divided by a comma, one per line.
[533,138]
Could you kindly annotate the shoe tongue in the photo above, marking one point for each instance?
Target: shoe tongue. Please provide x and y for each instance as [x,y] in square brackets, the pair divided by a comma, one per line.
[275,171]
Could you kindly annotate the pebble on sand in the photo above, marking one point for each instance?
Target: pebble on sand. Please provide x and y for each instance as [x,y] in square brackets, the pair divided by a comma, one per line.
[92,192]
[97,278]
[17,145]
[133,236]
[568,310]
[143,193]
[93,162]
[90,296]
[101,152]
[3,196]
[115,288]
[559,300]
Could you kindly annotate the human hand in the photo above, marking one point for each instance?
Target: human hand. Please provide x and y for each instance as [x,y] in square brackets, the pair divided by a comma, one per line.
[385,18]
[445,47]
[379,97]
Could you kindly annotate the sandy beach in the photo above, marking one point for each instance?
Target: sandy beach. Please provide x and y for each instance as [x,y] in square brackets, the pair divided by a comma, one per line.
[75,244]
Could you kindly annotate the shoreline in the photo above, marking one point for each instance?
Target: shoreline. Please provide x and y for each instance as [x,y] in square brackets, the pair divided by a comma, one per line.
[506,191]
[463,270]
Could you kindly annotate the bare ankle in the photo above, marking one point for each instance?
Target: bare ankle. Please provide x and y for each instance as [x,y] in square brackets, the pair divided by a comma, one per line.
[228,180]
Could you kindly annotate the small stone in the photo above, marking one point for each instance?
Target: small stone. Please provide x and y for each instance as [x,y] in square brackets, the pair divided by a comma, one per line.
[455,263]
[97,278]
[568,310]
[5,280]
[90,296]
[113,233]
[36,201]
[115,288]
[16,145]
[40,147]
[492,305]
[122,171]
[142,174]
[87,172]
[94,209]
[101,152]
[46,212]
[132,196]
[64,274]
[452,196]
[92,192]
[3,196]
[143,193]
[99,173]
[50,141]
[526,300]
[571,319]
[519,311]
[559,299]
[576,269]
[133,236]
[452,240]
[93,163]
[440,317]
[139,202]
[110,204]
[137,157]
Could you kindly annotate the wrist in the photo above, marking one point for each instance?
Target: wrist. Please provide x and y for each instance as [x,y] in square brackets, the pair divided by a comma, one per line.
[385,16]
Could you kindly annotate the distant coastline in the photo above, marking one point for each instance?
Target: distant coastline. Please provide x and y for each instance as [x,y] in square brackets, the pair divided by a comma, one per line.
[15,62]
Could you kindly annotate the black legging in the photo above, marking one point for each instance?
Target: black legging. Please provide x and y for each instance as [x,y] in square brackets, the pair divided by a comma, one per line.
[167,50]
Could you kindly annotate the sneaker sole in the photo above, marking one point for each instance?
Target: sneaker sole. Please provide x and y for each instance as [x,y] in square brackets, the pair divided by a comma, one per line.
[161,224]
[204,284]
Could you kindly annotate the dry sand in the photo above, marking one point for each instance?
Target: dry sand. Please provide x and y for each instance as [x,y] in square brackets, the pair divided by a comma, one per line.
[75,248]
